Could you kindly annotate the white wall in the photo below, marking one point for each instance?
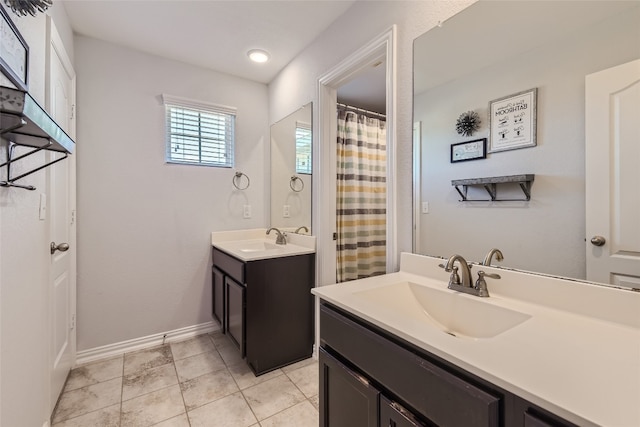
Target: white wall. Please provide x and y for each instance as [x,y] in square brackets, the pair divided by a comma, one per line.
[546,234]
[297,84]
[144,254]
[24,263]
[283,167]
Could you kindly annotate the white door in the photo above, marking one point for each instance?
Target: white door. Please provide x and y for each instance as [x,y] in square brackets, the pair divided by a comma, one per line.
[613,175]
[60,105]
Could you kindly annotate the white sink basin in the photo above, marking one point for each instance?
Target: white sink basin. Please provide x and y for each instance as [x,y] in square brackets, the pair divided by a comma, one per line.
[258,246]
[255,249]
[455,313]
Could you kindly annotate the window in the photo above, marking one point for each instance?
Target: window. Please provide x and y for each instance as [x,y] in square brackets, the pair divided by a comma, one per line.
[303,148]
[199,133]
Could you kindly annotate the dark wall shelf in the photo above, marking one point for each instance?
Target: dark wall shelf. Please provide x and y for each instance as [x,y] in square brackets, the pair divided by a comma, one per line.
[24,123]
[491,186]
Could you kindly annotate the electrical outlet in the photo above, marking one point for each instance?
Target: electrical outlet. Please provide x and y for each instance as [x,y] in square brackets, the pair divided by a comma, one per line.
[246,211]
[286,211]
[425,207]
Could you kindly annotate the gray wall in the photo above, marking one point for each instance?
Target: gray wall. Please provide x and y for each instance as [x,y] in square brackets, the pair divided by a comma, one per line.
[143,225]
[546,234]
[297,84]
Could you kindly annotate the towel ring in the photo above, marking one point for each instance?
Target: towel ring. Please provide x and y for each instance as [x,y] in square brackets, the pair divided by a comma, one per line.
[292,183]
[236,179]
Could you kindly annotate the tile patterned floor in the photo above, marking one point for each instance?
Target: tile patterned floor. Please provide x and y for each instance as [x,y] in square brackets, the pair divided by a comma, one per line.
[198,382]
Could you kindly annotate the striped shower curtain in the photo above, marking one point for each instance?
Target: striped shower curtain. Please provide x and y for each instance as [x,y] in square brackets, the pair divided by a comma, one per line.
[362,196]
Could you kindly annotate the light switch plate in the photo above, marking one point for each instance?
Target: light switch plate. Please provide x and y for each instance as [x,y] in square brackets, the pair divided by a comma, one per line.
[425,207]
[42,211]
[246,211]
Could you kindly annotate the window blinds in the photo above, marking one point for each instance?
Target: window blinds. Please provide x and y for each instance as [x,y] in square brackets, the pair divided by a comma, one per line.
[199,133]
[303,148]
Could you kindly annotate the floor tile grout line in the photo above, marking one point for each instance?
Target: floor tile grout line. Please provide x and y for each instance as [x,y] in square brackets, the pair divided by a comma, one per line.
[184,404]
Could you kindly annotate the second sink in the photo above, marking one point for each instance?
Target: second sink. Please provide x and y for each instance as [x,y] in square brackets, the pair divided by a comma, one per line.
[457,314]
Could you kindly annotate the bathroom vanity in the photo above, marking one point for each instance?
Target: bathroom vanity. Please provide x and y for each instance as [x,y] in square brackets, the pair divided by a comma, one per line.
[403,350]
[261,297]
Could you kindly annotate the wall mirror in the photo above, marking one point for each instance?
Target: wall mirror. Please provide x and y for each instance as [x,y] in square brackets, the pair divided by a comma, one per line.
[488,51]
[291,171]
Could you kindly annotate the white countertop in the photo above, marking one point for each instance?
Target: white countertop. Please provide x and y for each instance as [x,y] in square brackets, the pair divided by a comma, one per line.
[255,244]
[583,368]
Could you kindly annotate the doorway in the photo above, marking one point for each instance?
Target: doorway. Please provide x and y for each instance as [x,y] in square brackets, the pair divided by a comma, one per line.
[378,50]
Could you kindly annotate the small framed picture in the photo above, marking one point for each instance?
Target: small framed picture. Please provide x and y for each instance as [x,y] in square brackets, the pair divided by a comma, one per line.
[512,121]
[14,52]
[469,150]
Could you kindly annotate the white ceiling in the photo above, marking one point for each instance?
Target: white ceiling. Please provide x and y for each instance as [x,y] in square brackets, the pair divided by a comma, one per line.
[490,31]
[368,90]
[209,33]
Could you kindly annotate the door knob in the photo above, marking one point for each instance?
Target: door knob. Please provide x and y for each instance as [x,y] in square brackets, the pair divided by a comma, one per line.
[598,240]
[62,247]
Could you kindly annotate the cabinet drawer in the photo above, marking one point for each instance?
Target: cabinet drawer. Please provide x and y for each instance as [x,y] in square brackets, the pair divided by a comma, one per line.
[444,398]
[230,265]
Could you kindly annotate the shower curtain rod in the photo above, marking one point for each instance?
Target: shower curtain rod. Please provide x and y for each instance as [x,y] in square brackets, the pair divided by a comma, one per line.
[360,110]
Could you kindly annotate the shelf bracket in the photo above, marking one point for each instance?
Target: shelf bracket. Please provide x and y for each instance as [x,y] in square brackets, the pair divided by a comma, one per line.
[462,193]
[10,182]
[526,189]
[491,189]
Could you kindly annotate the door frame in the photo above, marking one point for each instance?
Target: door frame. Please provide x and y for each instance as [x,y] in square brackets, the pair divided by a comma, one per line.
[324,203]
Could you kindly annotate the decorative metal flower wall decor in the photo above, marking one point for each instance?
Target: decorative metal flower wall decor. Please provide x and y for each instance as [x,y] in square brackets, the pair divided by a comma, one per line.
[468,123]
[24,7]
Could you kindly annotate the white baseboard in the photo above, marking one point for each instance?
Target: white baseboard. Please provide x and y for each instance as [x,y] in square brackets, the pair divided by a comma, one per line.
[116,349]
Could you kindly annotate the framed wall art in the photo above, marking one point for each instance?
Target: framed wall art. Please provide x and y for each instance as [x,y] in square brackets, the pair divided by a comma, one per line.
[14,52]
[512,121]
[469,150]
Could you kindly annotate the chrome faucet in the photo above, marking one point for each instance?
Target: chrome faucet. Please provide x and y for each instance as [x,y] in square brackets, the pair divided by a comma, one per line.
[281,239]
[490,254]
[462,283]
[306,230]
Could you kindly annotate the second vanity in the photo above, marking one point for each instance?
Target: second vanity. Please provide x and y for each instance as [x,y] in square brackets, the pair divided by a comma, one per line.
[403,350]
[261,296]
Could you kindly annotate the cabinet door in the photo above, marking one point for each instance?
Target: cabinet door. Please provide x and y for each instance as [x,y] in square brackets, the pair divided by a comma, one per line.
[394,415]
[217,294]
[535,420]
[235,314]
[346,398]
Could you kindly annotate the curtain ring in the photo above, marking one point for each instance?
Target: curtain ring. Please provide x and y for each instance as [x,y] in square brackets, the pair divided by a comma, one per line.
[292,183]
[236,179]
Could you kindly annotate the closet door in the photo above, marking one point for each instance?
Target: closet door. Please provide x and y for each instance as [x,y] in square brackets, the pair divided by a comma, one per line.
[61,195]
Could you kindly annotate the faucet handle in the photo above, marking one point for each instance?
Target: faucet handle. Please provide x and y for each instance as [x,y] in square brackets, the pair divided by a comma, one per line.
[482,274]
[481,284]
[455,278]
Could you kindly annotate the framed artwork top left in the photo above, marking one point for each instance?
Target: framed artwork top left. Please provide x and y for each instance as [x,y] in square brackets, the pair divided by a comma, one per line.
[14,52]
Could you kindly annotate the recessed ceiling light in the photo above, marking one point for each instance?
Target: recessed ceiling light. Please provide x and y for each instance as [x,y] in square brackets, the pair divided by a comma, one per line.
[258,55]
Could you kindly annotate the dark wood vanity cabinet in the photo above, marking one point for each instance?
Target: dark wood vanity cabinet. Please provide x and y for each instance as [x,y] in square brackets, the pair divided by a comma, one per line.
[349,398]
[218,294]
[235,304]
[267,307]
[369,377]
